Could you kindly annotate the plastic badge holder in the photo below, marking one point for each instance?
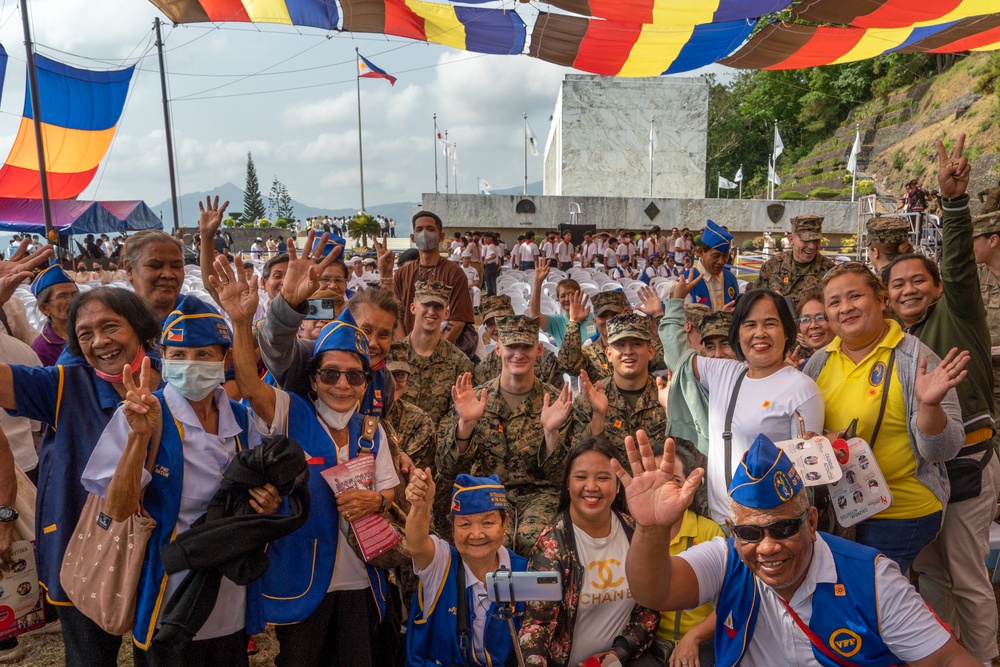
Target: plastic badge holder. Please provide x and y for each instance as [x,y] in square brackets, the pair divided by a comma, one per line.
[814,458]
[20,596]
[862,492]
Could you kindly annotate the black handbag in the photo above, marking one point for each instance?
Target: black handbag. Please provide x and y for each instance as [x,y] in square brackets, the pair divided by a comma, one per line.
[965,473]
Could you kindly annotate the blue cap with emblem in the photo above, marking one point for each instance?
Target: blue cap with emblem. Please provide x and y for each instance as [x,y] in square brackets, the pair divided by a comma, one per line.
[716,237]
[765,478]
[53,275]
[194,323]
[332,243]
[475,495]
[343,334]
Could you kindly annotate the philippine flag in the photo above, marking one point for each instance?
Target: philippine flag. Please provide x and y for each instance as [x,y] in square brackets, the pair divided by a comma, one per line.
[368,70]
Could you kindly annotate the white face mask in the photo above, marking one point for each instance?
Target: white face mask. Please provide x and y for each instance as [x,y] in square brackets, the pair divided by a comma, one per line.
[335,420]
[426,240]
[194,380]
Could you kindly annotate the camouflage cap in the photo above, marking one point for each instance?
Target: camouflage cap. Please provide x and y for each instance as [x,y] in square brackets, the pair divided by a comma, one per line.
[610,301]
[716,324]
[887,229]
[433,291]
[808,227]
[518,330]
[496,306]
[632,325]
[986,224]
[396,360]
[693,312]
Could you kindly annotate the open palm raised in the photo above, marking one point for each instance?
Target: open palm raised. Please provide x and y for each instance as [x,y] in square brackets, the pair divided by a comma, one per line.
[655,499]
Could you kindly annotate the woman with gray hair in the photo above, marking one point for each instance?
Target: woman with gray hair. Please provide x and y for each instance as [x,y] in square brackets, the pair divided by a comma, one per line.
[53,290]
[154,264]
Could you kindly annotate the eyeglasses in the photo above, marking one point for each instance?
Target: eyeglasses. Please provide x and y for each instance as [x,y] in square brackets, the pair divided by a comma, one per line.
[819,318]
[332,376]
[400,376]
[779,530]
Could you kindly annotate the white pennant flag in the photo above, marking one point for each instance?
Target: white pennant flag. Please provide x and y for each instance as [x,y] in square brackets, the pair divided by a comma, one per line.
[779,145]
[485,188]
[772,175]
[738,178]
[852,162]
[726,184]
[530,136]
[453,156]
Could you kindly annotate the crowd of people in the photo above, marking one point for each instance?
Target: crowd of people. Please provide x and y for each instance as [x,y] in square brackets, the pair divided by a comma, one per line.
[644,460]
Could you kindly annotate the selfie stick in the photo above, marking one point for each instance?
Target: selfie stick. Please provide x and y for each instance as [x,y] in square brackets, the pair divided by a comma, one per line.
[506,609]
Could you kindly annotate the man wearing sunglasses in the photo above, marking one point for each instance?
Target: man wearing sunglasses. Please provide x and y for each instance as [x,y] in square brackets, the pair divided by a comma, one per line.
[784,593]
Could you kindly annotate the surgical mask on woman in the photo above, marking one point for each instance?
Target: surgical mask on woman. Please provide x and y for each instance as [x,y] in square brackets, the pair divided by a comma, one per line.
[194,380]
[426,240]
[335,420]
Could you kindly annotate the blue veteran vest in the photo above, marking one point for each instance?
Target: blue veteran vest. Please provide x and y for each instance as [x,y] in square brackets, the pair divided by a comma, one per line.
[163,502]
[302,563]
[433,639]
[844,616]
[730,288]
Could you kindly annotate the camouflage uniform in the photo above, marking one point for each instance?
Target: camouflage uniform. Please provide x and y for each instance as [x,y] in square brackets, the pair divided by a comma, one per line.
[990,199]
[989,285]
[887,230]
[546,369]
[511,444]
[783,274]
[416,432]
[430,383]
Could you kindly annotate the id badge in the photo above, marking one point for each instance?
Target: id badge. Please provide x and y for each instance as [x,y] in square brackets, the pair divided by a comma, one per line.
[862,491]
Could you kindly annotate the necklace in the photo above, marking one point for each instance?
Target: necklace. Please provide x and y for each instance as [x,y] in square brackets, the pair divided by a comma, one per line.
[427,272]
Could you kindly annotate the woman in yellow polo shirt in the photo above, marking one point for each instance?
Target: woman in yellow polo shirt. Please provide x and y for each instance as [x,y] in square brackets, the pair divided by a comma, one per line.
[920,425]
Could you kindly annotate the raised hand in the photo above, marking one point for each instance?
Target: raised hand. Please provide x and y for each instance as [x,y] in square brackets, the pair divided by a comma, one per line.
[142,410]
[554,413]
[9,283]
[953,173]
[579,307]
[20,261]
[385,257]
[463,394]
[302,273]
[931,388]
[654,498]
[420,490]
[236,290]
[683,286]
[663,389]
[595,394]
[541,270]
[211,215]
[651,304]
[793,358]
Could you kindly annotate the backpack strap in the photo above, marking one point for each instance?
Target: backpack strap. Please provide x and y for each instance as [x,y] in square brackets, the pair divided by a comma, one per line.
[727,432]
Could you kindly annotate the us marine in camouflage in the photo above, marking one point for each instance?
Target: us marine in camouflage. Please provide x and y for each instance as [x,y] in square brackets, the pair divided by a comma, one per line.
[887,237]
[435,363]
[986,245]
[547,367]
[513,426]
[620,405]
[801,269]
[416,432]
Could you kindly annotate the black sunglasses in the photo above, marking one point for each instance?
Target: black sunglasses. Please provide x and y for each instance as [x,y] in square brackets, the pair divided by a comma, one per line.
[779,530]
[332,376]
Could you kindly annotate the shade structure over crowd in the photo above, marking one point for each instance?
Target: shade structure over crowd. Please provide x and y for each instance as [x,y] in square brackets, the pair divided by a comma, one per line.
[633,38]
[70,216]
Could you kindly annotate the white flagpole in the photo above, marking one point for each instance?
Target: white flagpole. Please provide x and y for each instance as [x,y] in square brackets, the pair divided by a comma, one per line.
[854,171]
[525,153]
[651,157]
[435,142]
[446,169]
[741,181]
[361,154]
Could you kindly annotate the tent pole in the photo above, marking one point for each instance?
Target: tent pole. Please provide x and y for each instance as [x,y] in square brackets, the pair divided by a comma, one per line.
[166,124]
[37,123]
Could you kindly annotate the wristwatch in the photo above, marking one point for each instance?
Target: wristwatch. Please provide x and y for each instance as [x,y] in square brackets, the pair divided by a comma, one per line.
[7,514]
[381,510]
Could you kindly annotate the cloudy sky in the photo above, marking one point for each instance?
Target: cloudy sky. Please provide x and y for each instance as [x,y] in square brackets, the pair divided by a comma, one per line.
[288,96]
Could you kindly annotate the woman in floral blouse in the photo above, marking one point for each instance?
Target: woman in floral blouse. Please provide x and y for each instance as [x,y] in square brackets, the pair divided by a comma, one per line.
[588,543]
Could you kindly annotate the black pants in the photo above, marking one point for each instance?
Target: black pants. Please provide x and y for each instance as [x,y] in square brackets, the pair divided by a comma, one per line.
[565,266]
[338,634]
[490,273]
[86,644]
[228,651]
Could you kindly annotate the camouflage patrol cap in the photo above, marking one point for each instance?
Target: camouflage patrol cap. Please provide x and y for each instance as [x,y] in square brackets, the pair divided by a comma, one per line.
[887,229]
[396,360]
[496,306]
[693,312]
[808,227]
[986,224]
[716,324]
[518,330]
[610,301]
[432,291]
[632,325]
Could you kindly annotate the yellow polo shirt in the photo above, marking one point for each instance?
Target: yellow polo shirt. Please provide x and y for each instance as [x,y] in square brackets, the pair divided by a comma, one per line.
[851,391]
[699,529]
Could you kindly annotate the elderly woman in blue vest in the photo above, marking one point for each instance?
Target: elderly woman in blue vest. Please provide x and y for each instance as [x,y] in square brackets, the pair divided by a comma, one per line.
[718,286]
[53,290]
[453,575]
[200,430]
[325,601]
[107,328]
[785,594]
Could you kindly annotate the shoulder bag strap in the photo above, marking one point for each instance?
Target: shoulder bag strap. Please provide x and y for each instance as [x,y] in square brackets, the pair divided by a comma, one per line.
[813,639]
[462,610]
[368,430]
[727,433]
[885,397]
[677,614]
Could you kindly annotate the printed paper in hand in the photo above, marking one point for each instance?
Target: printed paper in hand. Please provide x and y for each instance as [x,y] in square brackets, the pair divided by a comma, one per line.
[814,459]
[375,535]
[862,492]
[20,595]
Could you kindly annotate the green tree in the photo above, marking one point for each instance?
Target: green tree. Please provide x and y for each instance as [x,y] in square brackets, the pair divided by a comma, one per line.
[361,227]
[253,202]
[272,198]
[286,211]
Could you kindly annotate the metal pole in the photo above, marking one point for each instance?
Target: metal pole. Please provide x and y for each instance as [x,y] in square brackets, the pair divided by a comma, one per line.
[525,153]
[651,157]
[447,167]
[166,123]
[454,165]
[741,181]
[435,144]
[36,112]
[361,155]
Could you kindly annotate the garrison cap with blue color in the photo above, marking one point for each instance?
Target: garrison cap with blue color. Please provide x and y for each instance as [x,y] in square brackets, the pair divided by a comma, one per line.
[52,275]
[475,495]
[331,243]
[344,335]
[765,478]
[716,237]
[194,323]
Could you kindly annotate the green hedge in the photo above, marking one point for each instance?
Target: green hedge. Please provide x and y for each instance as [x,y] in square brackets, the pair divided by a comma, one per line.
[792,195]
[824,193]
